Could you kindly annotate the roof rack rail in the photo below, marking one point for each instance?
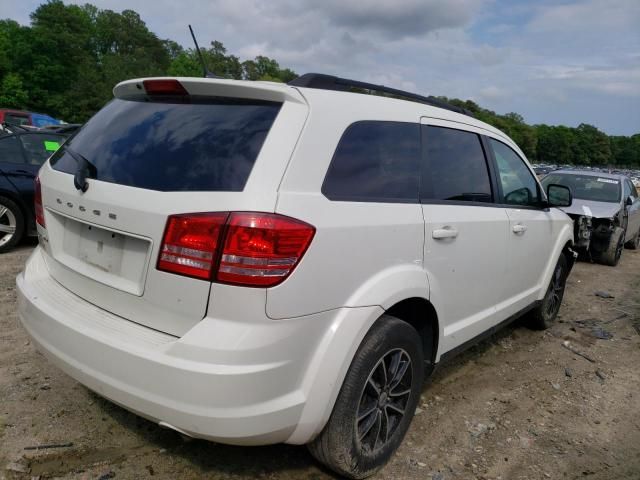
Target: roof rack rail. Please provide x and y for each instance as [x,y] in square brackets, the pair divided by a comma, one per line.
[330,82]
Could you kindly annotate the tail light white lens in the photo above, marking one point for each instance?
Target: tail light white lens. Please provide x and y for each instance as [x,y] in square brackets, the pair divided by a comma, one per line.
[190,244]
[243,248]
[37,200]
[262,249]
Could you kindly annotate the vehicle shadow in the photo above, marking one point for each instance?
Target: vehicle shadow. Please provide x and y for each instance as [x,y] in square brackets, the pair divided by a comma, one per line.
[209,459]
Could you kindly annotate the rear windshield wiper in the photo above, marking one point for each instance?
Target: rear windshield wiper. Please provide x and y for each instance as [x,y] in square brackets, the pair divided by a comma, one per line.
[85,169]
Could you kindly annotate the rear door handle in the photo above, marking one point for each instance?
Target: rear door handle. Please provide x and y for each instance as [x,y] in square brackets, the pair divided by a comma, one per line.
[519,228]
[445,232]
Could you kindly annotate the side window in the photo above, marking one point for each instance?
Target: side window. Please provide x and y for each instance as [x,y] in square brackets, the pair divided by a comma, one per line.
[455,166]
[519,187]
[634,191]
[376,162]
[627,190]
[38,147]
[10,151]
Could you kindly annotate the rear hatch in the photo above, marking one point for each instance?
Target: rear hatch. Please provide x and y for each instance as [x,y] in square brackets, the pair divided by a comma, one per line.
[161,147]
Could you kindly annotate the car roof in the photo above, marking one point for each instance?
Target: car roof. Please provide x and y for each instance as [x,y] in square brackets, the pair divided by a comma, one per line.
[613,176]
[275,91]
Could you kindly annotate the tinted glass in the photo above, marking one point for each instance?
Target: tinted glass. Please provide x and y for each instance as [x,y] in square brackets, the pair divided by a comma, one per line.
[587,187]
[13,119]
[10,150]
[376,161]
[519,186]
[39,147]
[173,146]
[456,168]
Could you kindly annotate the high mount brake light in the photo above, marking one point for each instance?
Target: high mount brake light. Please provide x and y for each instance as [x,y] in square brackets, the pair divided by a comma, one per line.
[37,200]
[240,248]
[164,87]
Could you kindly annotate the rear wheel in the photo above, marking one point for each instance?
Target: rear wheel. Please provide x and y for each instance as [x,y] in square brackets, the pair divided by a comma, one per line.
[543,316]
[634,243]
[11,224]
[611,255]
[376,402]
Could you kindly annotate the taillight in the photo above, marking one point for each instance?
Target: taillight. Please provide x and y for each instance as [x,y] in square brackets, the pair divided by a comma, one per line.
[190,244]
[164,87]
[262,249]
[37,200]
[242,248]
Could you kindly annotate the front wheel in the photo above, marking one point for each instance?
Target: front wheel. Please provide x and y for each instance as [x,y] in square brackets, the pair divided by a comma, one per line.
[611,255]
[634,243]
[376,402]
[543,316]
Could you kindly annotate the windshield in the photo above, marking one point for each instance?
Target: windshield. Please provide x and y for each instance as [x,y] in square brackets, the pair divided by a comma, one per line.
[208,146]
[587,187]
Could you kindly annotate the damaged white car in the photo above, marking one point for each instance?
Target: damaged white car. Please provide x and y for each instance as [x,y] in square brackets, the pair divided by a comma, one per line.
[605,211]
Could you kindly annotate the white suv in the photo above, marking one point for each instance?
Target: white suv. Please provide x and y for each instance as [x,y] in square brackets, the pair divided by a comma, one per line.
[253,263]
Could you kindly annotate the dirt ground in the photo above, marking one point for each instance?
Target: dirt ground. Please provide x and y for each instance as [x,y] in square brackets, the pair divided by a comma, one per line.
[517,406]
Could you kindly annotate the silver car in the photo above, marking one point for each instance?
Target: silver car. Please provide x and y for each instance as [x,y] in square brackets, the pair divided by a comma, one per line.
[605,211]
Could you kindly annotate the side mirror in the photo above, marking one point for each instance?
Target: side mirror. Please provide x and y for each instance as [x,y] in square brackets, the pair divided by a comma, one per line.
[559,195]
[629,200]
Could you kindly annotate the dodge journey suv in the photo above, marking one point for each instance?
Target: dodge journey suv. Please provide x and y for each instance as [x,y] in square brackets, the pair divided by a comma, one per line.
[254,263]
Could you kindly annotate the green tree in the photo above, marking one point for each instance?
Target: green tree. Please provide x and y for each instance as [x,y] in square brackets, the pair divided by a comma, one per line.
[12,92]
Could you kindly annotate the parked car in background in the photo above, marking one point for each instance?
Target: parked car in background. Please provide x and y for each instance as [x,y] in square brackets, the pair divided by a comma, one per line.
[65,128]
[42,120]
[24,118]
[14,117]
[284,263]
[22,152]
[605,210]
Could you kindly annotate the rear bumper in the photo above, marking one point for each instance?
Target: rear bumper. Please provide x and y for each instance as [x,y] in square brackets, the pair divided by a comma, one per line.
[261,383]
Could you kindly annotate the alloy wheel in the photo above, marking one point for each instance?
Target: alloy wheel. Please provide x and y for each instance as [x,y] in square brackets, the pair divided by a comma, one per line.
[7,225]
[554,294]
[384,400]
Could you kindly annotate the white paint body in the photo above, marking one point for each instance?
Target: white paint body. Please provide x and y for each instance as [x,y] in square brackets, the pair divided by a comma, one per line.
[257,366]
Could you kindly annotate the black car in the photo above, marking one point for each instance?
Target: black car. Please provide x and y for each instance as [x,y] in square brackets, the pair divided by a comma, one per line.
[22,152]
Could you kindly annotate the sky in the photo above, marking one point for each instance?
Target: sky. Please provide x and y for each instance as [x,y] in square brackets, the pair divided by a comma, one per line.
[552,61]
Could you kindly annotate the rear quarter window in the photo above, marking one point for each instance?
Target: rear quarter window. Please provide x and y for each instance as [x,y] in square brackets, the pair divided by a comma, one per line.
[205,146]
[375,161]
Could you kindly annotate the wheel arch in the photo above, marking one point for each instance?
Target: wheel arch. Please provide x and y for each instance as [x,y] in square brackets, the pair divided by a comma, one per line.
[421,315]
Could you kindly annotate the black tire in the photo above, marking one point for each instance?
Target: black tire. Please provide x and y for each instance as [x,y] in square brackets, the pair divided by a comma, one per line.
[634,243]
[543,316]
[345,443]
[11,217]
[611,255]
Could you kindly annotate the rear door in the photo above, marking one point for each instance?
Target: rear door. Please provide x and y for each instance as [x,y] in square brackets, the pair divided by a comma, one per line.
[465,231]
[148,157]
[633,210]
[531,227]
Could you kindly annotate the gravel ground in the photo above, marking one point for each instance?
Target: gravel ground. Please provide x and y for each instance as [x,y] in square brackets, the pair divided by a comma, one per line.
[517,406]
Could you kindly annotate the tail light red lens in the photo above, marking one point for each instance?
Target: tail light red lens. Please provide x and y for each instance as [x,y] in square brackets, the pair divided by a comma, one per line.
[262,249]
[242,248]
[37,200]
[190,244]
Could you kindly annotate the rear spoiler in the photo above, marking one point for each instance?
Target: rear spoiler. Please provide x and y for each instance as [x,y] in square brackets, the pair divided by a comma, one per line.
[216,87]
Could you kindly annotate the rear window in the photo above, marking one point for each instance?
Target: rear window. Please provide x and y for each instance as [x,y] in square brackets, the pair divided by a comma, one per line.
[208,146]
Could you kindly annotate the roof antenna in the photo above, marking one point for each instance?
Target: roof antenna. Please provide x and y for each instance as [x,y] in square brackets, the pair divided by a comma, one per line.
[205,70]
